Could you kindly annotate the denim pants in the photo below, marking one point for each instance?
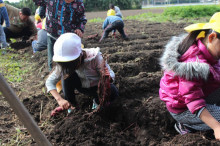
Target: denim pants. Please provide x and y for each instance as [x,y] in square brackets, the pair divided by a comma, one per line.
[119,25]
[73,82]
[2,38]
[50,53]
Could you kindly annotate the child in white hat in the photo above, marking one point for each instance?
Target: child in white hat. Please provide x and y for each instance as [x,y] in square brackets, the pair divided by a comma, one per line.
[191,73]
[79,69]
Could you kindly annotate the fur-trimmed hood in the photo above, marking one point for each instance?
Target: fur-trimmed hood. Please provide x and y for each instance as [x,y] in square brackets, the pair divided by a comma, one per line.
[189,70]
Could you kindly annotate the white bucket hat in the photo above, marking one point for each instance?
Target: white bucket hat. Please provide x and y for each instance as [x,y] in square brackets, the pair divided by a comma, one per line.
[67,48]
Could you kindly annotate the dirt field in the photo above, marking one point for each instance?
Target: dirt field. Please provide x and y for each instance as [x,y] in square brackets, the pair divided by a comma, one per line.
[137,117]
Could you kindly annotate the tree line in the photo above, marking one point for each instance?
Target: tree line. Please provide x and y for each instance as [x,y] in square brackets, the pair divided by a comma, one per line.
[90,5]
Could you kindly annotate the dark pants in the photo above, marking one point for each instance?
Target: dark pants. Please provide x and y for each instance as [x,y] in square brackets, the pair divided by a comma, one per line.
[73,82]
[50,44]
[119,25]
[25,34]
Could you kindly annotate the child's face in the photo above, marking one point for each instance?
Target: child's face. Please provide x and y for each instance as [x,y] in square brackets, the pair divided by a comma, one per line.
[69,1]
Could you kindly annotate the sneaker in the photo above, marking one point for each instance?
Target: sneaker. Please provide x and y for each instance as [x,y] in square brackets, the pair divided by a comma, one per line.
[181,129]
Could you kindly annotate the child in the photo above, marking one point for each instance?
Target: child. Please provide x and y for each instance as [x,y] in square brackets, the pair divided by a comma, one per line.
[79,69]
[111,12]
[117,10]
[40,42]
[191,72]
[38,21]
[112,23]
[62,16]
[4,14]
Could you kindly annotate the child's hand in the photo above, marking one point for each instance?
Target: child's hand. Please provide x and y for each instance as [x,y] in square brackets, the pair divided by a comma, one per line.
[217,133]
[79,33]
[64,103]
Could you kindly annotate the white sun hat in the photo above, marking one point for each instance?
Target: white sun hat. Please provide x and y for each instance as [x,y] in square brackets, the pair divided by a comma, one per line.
[67,48]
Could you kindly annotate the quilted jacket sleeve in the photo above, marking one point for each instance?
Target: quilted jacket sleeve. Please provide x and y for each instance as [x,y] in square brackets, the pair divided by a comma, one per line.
[192,93]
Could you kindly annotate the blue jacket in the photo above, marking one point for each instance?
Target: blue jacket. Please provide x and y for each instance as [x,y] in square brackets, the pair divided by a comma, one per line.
[110,20]
[4,14]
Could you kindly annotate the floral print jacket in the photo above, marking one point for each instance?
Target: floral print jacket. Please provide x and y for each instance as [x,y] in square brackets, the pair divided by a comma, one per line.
[62,17]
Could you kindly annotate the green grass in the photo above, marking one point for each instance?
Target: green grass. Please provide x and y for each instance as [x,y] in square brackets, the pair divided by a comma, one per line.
[152,17]
[191,11]
[96,20]
[14,67]
[191,14]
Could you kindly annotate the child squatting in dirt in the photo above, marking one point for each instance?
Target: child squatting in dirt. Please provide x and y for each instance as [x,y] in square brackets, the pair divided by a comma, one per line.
[80,69]
[191,73]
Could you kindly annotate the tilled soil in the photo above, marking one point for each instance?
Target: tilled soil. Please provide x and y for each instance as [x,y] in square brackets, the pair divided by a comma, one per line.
[137,117]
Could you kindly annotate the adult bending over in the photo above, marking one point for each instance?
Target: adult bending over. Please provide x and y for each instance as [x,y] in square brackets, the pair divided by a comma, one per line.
[22,26]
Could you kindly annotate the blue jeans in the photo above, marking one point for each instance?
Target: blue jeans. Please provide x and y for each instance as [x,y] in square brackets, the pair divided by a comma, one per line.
[2,38]
[73,82]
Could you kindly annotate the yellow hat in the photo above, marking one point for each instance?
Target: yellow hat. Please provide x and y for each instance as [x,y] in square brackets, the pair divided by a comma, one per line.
[37,17]
[111,12]
[44,23]
[214,24]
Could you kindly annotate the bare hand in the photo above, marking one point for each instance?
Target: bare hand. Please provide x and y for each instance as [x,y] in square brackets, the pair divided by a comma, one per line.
[79,33]
[64,103]
[217,133]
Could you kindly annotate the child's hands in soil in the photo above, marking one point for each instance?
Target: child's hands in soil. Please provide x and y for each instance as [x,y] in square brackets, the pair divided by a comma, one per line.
[63,103]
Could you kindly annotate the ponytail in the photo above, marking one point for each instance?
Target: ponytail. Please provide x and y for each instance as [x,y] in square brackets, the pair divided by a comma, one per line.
[190,40]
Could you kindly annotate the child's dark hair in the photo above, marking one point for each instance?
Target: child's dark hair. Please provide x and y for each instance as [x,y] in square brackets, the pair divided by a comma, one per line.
[218,35]
[111,6]
[26,11]
[191,39]
[68,68]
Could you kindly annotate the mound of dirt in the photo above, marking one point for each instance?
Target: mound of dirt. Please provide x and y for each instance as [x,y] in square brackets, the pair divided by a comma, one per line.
[137,117]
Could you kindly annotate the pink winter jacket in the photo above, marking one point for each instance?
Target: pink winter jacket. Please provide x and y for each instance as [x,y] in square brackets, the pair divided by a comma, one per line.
[188,79]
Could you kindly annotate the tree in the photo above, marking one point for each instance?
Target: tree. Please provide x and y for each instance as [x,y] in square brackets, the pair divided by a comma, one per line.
[24,3]
[97,5]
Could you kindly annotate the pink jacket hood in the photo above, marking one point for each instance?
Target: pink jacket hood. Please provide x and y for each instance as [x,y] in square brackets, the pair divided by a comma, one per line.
[189,78]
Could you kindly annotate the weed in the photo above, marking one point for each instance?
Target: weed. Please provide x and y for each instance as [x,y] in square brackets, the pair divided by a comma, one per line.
[13,67]
[96,20]
[20,137]
[191,11]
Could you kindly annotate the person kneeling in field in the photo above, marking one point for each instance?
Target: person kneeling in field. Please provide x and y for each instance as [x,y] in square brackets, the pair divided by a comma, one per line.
[40,42]
[22,25]
[112,23]
[191,73]
[80,69]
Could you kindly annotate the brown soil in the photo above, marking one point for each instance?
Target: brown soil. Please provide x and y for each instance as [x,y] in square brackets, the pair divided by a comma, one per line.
[137,117]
